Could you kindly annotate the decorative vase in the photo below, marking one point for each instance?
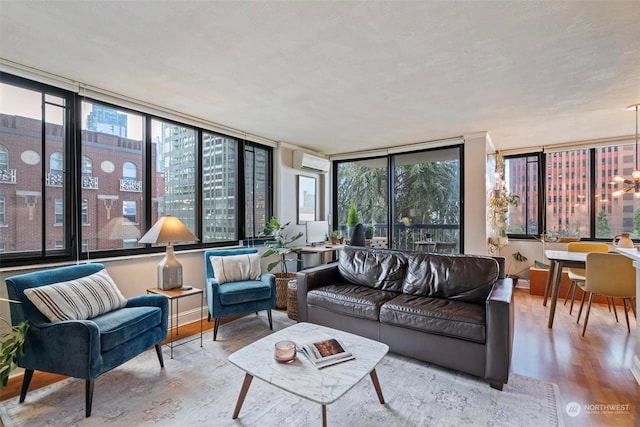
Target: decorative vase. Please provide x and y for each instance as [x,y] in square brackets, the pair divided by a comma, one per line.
[623,241]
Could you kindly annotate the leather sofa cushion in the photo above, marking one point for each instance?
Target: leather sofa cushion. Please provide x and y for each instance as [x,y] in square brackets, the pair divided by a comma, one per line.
[465,278]
[351,300]
[436,316]
[377,269]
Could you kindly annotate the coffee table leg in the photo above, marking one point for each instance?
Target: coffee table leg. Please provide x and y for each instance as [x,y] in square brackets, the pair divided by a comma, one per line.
[324,415]
[243,393]
[376,385]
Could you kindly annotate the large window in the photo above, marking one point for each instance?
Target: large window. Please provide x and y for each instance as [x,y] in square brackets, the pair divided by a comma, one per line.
[113,139]
[580,198]
[425,199]
[129,169]
[363,182]
[522,178]
[34,136]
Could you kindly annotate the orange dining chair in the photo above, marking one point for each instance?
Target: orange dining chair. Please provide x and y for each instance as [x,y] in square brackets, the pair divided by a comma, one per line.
[576,275]
[611,275]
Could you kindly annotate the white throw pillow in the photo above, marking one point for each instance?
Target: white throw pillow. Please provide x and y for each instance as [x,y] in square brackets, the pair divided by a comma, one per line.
[78,299]
[234,268]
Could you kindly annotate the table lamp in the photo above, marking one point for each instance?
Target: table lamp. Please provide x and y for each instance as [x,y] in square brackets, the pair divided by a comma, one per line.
[168,229]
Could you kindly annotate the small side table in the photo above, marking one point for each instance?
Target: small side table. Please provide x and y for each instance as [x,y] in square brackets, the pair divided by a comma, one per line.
[428,245]
[175,295]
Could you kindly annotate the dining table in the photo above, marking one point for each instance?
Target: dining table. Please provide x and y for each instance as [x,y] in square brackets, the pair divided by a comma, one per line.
[557,261]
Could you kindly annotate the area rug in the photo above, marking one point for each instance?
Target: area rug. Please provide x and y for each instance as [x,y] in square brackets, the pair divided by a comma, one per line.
[199,387]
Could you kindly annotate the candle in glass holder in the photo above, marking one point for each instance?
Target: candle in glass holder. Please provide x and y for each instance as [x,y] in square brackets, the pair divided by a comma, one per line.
[285,351]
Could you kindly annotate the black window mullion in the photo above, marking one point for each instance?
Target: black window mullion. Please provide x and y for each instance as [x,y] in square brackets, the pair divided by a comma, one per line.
[199,220]
[542,192]
[43,173]
[147,156]
[461,183]
[391,204]
[241,220]
[592,193]
[74,153]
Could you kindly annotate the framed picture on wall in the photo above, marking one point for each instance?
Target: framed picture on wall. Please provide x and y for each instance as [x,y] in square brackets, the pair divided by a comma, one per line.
[306,199]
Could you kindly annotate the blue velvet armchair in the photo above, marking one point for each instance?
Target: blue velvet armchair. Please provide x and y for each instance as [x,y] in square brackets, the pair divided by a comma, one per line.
[84,348]
[233,298]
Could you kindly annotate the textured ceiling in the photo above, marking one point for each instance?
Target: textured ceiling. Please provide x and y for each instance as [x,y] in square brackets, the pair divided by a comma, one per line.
[346,76]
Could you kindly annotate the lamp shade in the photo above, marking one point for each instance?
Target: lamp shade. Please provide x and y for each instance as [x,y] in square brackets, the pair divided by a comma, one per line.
[168,229]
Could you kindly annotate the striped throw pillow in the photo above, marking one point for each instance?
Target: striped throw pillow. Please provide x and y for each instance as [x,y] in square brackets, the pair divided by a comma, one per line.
[234,268]
[78,299]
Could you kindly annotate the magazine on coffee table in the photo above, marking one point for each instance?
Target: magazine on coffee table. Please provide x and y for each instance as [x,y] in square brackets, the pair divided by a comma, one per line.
[326,352]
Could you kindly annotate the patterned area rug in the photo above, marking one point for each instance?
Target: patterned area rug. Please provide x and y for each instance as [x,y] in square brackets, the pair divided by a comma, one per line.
[199,387]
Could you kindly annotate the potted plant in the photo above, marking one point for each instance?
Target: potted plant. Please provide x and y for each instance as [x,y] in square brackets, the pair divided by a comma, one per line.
[353,217]
[12,344]
[518,258]
[279,245]
[368,231]
[334,236]
[499,201]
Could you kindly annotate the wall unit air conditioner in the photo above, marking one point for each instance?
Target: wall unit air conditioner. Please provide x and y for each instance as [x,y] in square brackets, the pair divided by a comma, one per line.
[309,162]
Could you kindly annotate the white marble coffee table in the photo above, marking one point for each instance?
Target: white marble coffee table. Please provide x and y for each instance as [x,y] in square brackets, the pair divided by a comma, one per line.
[300,377]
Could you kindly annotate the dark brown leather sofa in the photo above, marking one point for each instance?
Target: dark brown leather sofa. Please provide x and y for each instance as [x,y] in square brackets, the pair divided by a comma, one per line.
[455,311]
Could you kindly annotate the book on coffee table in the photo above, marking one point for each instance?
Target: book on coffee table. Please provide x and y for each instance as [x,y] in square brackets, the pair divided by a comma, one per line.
[326,352]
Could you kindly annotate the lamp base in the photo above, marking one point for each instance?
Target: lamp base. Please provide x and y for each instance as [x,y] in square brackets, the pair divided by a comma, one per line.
[169,271]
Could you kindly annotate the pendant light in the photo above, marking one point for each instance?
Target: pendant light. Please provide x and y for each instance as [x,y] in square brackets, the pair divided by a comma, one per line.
[634,182]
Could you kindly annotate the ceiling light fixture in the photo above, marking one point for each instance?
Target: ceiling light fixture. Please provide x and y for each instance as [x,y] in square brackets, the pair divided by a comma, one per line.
[634,182]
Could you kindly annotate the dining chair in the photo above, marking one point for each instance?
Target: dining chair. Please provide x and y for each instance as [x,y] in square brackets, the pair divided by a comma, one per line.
[611,275]
[577,275]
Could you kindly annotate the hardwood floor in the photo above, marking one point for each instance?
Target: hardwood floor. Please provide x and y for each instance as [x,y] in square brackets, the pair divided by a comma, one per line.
[593,371]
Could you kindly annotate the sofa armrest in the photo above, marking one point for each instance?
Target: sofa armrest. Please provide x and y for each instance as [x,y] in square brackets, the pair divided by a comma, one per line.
[312,278]
[212,289]
[70,347]
[499,330]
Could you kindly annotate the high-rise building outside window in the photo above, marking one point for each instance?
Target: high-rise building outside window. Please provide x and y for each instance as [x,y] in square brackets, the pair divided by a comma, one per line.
[257,170]
[174,180]
[220,187]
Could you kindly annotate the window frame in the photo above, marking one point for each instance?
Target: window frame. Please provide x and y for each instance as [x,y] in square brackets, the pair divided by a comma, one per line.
[390,160]
[541,183]
[592,181]
[72,183]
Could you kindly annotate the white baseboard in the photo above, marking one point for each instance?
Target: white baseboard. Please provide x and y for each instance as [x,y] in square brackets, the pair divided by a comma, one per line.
[189,316]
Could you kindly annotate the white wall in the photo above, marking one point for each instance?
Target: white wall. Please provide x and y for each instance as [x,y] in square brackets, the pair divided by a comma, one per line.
[286,200]
[476,148]
[134,275]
